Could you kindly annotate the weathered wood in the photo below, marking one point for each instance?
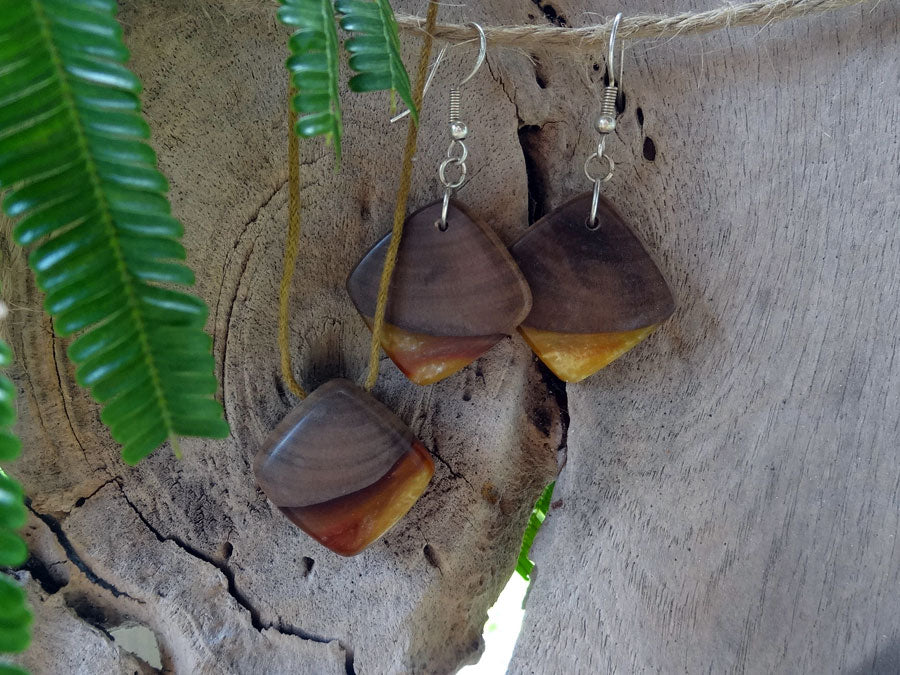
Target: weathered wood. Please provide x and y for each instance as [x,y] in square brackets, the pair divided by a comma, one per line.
[730,498]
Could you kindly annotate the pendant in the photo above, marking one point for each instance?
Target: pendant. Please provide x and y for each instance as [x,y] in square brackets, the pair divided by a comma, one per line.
[454,293]
[342,467]
[597,292]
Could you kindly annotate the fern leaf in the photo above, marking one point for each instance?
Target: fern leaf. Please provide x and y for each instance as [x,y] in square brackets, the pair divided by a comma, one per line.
[315,68]
[92,207]
[524,565]
[375,49]
[15,619]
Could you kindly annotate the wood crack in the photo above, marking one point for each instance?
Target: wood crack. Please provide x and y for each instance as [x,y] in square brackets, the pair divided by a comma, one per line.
[56,528]
[237,243]
[231,585]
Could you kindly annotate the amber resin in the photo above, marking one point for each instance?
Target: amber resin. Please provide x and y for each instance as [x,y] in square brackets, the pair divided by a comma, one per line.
[348,524]
[575,356]
[426,359]
[343,467]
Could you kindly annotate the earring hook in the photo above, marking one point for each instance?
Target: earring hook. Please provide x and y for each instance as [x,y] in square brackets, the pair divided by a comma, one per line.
[482,52]
[482,55]
[611,53]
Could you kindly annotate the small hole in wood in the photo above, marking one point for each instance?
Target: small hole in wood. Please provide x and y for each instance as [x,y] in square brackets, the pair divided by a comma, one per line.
[431,556]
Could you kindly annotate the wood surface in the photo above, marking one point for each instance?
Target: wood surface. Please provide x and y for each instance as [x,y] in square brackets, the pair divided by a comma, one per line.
[729,500]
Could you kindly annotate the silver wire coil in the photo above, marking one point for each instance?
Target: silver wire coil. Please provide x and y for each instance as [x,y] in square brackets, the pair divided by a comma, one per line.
[608,104]
[454,105]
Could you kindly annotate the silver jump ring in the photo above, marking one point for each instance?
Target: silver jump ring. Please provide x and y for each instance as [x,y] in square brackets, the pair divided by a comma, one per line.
[610,168]
[463,153]
[442,173]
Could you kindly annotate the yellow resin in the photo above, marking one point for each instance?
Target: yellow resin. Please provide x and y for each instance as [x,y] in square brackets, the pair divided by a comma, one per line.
[426,359]
[575,356]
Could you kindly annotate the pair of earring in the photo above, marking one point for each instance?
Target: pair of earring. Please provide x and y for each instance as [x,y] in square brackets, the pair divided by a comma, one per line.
[579,287]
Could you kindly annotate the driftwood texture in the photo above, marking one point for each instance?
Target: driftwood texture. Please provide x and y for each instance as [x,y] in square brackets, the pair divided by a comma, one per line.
[729,500]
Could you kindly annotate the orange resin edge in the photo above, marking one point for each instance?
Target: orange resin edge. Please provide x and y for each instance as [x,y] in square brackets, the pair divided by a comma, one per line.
[350,523]
[574,356]
[426,359]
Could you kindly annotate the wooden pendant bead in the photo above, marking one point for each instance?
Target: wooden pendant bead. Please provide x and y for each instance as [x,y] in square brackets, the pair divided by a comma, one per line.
[454,294]
[596,293]
[343,467]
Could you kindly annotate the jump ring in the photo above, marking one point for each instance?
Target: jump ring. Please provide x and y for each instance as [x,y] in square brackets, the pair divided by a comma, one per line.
[610,168]
[442,173]
[463,153]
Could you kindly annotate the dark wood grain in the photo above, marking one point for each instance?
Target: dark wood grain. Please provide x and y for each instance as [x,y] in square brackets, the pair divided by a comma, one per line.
[342,467]
[590,281]
[460,282]
[337,441]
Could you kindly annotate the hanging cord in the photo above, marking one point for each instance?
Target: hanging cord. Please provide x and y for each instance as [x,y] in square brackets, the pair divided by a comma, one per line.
[291,248]
[409,151]
[590,39]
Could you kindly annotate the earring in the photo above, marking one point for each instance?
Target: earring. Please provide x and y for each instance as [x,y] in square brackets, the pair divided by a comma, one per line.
[455,291]
[596,291]
[342,467]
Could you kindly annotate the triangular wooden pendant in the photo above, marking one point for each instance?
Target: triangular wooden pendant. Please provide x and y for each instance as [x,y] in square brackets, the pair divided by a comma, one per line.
[343,467]
[596,293]
[454,294]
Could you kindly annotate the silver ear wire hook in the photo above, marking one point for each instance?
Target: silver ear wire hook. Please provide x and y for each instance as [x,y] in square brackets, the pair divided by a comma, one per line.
[482,54]
[606,122]
[457,153]
[611,52]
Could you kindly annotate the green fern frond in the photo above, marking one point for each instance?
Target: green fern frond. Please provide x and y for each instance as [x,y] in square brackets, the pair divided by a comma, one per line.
[15,619]
[375,49]
[91,203]
[524,566]
[315,68]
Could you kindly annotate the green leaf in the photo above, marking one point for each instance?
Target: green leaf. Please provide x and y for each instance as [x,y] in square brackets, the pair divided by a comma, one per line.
[15,619]
[375,49]
[79,173]
[314,65]
[524,566]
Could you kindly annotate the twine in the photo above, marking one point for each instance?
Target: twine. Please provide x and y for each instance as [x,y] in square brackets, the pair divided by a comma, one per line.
[291,248]
[592,39]
[409,151]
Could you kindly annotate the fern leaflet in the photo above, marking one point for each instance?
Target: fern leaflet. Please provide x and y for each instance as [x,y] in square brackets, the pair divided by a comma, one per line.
[15,619]
[524,566]
[315,68]
[375,49]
